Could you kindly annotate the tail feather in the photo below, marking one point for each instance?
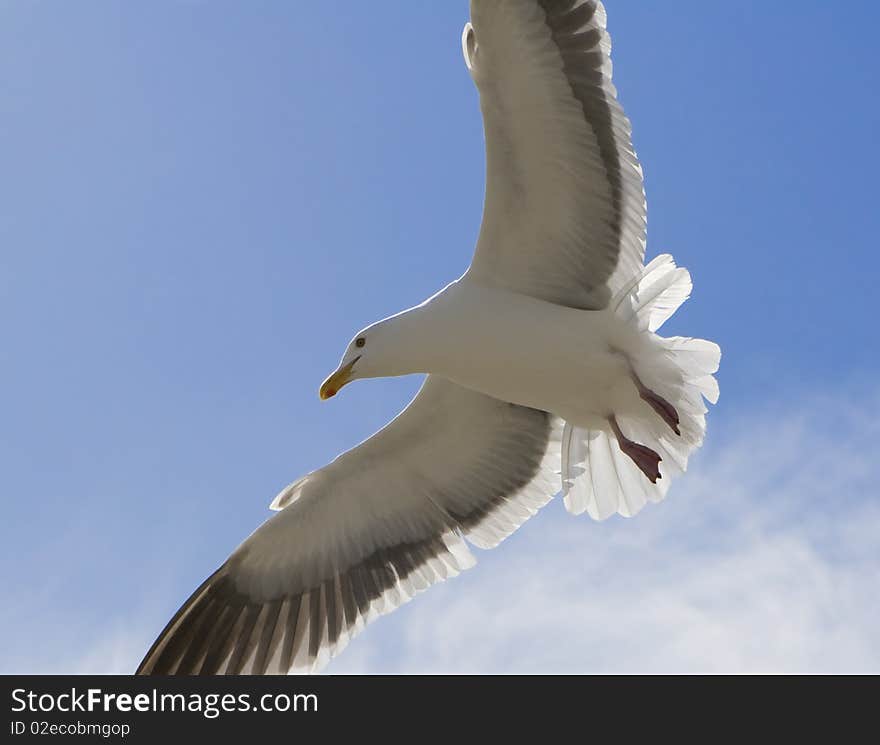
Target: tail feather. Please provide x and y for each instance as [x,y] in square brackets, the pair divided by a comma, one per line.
[598,478]
[604,482]
[652,296]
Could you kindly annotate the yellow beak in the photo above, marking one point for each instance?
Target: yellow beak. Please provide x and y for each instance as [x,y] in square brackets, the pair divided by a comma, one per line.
[334,383]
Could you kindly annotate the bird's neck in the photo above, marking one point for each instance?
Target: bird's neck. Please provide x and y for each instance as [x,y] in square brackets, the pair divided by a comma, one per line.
[417,336]
[410,343]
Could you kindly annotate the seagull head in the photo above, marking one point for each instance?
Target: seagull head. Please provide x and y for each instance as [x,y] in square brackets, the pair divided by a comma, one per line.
[379,351]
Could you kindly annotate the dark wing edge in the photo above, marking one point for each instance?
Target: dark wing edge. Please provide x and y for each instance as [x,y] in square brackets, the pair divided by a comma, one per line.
[222,630]
[578,28]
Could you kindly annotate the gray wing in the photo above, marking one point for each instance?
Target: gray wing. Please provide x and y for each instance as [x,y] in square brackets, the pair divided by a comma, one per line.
[565,215]
[365,533]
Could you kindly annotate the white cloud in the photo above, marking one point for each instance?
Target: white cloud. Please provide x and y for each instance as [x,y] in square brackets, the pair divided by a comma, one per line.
[765,558]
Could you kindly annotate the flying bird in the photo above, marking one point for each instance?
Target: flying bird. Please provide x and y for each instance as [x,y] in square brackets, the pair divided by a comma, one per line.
[545,374]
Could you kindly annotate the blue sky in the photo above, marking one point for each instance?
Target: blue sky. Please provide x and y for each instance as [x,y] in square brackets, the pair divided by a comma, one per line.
[201,201]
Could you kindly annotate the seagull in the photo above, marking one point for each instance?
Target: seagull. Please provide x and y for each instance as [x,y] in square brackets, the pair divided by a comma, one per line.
[545,374]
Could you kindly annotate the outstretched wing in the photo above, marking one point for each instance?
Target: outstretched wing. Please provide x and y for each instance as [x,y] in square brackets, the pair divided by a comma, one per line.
[362,535]
[565,215]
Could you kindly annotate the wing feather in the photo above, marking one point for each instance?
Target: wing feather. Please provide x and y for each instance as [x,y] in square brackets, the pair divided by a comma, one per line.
[565,213]
[377,526]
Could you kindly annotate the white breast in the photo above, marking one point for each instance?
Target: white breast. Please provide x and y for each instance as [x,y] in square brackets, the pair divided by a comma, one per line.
[529,352]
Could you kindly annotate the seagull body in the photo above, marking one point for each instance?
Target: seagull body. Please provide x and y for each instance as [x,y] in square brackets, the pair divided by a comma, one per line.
[545,374]
[508,346]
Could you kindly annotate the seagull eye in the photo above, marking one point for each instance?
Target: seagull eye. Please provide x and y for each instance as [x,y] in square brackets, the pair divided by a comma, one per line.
[360,343]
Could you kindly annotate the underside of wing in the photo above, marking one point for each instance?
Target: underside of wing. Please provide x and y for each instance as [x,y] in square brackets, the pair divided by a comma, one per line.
[364,534]
[565,214]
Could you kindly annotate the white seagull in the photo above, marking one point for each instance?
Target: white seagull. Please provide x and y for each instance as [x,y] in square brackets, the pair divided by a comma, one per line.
[545,374]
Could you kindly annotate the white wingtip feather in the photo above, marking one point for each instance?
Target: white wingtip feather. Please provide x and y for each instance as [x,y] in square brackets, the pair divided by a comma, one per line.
[288,495]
